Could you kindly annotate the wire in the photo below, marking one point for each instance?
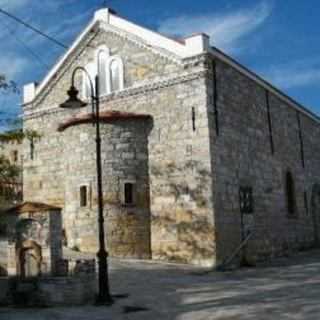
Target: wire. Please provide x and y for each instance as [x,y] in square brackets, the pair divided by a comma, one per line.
[28,49]
[33,53]
[27,25]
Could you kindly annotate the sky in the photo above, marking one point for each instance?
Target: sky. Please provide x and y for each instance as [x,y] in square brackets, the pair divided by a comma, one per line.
[279,40]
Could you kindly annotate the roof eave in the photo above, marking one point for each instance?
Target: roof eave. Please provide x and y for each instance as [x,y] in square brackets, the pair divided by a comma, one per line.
[215,52]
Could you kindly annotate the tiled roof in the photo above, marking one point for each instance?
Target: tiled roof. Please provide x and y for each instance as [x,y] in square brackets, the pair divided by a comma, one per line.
[30,207]
[105,117]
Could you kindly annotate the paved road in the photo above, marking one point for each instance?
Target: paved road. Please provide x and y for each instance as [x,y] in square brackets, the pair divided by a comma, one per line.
[289,289]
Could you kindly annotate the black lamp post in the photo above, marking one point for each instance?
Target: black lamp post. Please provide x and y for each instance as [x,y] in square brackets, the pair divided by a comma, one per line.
[73,102]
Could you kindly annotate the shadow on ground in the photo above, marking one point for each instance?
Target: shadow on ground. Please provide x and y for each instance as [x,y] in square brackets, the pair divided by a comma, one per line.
[288,289]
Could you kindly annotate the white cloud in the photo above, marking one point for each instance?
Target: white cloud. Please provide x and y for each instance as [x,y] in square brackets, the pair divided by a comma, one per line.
[12,67]
[12,5]
[297,74]
[225,29]
[44,5]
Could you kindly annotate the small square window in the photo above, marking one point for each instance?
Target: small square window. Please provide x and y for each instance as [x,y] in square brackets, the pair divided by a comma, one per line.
[246,200]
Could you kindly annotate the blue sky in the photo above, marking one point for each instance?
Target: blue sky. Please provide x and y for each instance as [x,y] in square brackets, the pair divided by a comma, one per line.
[279,40]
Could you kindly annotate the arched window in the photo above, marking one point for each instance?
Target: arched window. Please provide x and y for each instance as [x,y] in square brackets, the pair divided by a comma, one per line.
[290,193]
[116,74]
[110,69]
[103,75]
[102,56]
[91,68]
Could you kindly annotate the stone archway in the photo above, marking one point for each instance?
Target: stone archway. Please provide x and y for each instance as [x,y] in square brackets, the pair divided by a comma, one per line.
[29,259]
[315,210]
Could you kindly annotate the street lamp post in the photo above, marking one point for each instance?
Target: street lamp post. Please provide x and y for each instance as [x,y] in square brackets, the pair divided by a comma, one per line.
[73,102]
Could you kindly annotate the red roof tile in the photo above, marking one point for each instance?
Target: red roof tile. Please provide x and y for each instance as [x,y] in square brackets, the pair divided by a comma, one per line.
[105,117]
[30,207]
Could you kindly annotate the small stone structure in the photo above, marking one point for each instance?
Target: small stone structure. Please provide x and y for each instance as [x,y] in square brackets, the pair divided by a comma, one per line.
[34,239]
[124,139]
[38,274]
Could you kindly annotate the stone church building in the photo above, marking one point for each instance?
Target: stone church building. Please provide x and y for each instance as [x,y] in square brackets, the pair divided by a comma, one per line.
[199,153]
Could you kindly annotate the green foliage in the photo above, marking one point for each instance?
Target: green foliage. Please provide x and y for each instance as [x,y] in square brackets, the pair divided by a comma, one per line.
[8,85]
[12,135]
[10,191]
[31,134]
[18,135]
[8,172]
[75,248]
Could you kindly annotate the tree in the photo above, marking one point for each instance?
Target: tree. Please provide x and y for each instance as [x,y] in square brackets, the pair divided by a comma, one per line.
[10,188]
[10,173]
[8,85]
[18,135]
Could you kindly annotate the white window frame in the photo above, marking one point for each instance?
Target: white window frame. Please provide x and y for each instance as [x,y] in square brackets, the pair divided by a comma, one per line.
[91,68]
[103,52]
[121,71]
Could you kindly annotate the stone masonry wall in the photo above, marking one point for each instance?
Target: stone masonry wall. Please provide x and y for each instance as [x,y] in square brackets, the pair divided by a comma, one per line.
[124,160]
[50,291]
[3,257]
[242,156]
[179,166]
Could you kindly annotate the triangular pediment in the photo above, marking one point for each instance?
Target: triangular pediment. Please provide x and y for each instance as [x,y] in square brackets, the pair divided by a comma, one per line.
[106,20]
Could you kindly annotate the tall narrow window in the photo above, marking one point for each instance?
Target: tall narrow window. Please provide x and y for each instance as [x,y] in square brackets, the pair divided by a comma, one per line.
[114,75]
[103,73]
[86,86]
[128,194]
[246,200]
[193,118]
[31,149]
[306,205]
[290,191]
[215,96]
[269,122]
[83,196]
[92,70]
[301,140]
